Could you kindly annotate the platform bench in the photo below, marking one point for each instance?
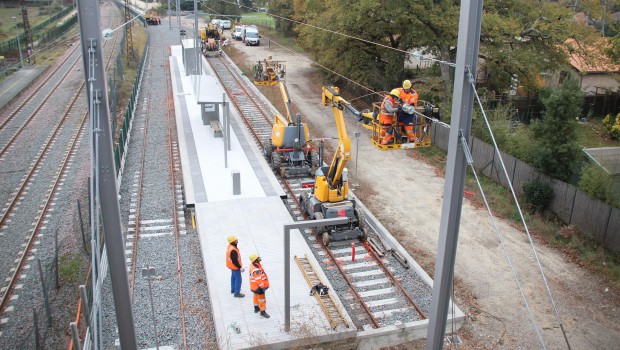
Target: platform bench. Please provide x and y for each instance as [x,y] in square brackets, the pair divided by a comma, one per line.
[217,128]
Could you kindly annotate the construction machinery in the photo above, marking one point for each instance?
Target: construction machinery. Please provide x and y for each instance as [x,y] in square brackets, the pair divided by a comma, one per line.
[151,18]
[330,195]
[425,113]
[269,72]
[288,150]
[211,39]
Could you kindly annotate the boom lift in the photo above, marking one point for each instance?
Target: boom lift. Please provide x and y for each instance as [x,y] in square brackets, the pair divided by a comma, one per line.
[330,197]
[425,114]
[288,150]
[268,72]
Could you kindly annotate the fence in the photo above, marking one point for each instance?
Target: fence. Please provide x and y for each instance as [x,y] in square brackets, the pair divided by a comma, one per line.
[11,44]
[597,219]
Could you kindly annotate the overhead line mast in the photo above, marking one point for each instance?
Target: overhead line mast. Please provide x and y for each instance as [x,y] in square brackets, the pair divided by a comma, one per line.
[27,32]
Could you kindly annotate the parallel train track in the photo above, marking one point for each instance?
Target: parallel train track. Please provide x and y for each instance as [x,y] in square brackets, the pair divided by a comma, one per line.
[18,195]
[382,297]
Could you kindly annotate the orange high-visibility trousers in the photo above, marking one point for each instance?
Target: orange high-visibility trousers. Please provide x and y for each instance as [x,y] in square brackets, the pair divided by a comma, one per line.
[260,301]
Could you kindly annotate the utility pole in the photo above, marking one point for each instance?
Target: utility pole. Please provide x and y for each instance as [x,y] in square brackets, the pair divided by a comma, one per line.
[27,32]
[105,168]
[456,166]
[130,54]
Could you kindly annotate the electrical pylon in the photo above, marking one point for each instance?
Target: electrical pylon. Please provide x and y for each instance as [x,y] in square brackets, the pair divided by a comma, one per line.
[130,53]
[27,32]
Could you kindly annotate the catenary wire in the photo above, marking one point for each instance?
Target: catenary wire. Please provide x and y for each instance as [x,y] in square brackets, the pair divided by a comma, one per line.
[472,82]
[470,163]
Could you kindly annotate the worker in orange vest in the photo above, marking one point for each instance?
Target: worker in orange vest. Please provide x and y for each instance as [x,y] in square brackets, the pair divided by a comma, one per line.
[233,262]
[389,106]
[410,97]
[259,282]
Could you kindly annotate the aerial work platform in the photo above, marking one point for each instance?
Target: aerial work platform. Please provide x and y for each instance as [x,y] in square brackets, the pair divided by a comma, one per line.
[235,193]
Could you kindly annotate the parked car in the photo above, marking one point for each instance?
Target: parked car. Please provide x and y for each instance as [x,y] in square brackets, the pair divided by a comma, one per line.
[217,22]
[238,32]
[225,24]
[250,36]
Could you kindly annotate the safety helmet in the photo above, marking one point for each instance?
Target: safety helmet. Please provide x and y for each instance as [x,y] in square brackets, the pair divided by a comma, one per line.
[253,257]
[406,84]
[395,93]
[231,239]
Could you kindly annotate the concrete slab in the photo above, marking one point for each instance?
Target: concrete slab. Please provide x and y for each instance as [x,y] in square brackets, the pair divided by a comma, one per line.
[13,85]
[258,222]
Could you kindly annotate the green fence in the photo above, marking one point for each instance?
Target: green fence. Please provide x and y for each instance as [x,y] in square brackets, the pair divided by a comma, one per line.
[120,147]
[11,44]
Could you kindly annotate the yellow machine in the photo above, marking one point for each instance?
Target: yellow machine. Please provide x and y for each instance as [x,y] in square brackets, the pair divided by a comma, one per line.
[288,150]
[425,114]
[330,197]
[151,18]
[210,37]
[269,72]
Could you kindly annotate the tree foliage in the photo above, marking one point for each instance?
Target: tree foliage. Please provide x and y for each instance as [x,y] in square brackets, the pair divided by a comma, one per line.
[595,182]
[555,134]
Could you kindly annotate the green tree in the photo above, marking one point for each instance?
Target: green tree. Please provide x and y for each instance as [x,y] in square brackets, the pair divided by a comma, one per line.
[555,134]
[284,11]
[595,182]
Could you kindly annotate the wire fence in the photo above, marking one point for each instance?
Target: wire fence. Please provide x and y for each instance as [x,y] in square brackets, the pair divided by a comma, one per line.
[597,219]
[37,31]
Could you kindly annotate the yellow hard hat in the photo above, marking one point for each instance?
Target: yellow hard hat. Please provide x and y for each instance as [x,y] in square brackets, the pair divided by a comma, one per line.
[395,93]
[406,84]
[253,257]
[231,239]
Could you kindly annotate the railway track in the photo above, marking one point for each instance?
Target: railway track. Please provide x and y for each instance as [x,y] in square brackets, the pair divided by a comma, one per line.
[67,131]
[378,297]
[156,214]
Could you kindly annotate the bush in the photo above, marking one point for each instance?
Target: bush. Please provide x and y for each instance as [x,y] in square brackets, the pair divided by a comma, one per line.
[613,126]
[594,182]
[538,195]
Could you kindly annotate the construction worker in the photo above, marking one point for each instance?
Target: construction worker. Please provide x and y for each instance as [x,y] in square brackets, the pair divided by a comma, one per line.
[389,106]
[233,262]
[259,282]
[410,97]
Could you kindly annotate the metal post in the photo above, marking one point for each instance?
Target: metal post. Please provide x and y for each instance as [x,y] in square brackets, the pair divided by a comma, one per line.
[56,258]
[82,226]
[19,46]
[287,258]
[91,44]
[462,105]
[149,272]
[75,336]
[357,151]
[48,309]
[197,51]
[225,131]
[37,339]
[169,17]
[85,306]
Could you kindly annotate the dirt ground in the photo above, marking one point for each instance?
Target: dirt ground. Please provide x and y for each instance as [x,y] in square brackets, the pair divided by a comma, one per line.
[405,194]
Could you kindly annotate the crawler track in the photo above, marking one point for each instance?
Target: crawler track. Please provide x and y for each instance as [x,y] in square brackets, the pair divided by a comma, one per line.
[382,299]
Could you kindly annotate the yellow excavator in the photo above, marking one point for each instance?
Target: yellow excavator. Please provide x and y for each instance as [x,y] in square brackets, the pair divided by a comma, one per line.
[288,150]
[211,37]
[330,196]
[269,72]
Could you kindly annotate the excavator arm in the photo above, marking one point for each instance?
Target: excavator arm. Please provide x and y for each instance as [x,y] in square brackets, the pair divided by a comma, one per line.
[286,99]
[343,151]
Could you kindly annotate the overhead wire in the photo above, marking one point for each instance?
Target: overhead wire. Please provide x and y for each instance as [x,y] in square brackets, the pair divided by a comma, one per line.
[471,80]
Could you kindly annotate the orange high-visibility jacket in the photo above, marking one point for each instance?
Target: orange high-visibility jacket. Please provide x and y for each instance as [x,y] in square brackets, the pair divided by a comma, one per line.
[229,262]
[410,98]
[387,110]
[258,277]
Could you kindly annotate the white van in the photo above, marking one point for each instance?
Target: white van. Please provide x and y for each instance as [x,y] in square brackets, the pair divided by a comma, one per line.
[250,36]
[238,32]
[225,24]
[217,22]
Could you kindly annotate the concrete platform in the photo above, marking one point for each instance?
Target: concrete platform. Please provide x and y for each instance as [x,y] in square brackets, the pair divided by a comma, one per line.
[256,215]
[17,82]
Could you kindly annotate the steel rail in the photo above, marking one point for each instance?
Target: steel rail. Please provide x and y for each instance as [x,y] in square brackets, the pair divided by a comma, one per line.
[287,185]
[35,230]
[175,218]
[38,88]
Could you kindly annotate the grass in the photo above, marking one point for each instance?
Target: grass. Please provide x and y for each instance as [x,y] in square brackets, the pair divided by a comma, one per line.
[593,134]
[259,19]
[69,268]
[8,28]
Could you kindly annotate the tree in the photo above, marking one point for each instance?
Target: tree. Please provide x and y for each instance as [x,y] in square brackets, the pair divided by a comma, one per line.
[555,134]
[283,9]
